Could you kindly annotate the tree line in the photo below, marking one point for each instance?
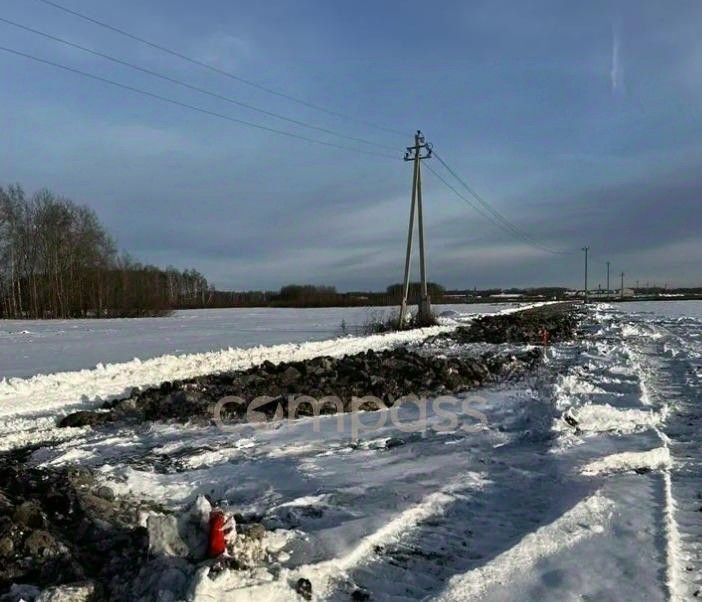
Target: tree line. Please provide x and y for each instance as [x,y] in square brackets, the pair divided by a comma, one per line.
[58,261]
[312,295]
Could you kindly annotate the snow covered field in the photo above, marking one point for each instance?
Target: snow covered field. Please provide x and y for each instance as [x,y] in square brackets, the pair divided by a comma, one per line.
[584,483]
[48,346]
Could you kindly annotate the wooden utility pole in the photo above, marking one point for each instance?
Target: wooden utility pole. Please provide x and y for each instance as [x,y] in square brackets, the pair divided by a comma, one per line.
[621,290]
[587,250]
[608,289]
[414,153]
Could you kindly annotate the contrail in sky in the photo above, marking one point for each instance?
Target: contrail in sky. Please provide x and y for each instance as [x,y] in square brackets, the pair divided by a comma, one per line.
[615,73]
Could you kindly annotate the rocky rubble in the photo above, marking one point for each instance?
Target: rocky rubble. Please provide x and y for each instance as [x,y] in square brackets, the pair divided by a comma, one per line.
[58,533]
[388,376]
[559,322]
[65,539]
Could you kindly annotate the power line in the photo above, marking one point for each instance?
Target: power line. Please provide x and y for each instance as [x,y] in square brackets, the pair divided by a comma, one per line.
[477,197]
[492,214]
[190,86]
[489,216]
[515,230]
[223,72]
[497,217]
[192,107]
[475,207]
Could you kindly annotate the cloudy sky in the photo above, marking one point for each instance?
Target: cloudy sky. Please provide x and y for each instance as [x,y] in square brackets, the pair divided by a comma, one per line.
[579,121]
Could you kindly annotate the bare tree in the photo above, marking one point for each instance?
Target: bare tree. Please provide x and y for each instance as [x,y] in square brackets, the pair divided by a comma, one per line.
[58,261]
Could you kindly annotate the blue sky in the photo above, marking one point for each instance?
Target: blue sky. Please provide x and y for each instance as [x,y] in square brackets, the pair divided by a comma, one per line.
[580,121]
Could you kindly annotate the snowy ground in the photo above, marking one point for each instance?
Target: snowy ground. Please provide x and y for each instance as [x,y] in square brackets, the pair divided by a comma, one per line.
[523,507]
[35,347]
[24,419]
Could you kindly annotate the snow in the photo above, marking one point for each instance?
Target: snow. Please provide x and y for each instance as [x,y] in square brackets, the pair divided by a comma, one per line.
[22,420]
[116,380]
[30,347]
[604,417]
[527,507]
[653,459]
[658,310]
[588,518]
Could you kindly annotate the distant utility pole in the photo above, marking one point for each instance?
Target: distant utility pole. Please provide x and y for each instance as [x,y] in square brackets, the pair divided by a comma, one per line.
[621,291]
[414,153]
[608,289]
[587,250]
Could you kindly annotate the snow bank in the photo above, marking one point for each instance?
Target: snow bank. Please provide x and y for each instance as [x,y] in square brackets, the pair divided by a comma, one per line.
[640,330]
[648,460]
[29,406]
[594,418]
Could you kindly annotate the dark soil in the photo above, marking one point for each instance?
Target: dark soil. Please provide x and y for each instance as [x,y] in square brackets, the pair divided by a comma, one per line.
[54,529]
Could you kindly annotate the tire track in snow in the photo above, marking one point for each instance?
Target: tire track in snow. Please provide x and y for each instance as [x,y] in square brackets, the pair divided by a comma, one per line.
[330,577]
[621,354]
[587,518]
[658,458]
[327,575]
[673,551]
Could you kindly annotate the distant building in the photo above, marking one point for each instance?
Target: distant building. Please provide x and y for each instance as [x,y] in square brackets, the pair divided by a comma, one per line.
[454,297]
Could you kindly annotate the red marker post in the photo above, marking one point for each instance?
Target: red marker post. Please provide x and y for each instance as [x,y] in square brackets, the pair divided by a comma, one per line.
[217,543]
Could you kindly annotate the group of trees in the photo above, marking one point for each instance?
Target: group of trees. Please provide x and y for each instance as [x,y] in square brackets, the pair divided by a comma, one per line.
[58,261]
[290,295]
[307,295]
[395,291]
[313,295]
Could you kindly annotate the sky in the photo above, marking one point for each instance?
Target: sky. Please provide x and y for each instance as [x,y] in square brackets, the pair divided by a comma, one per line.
[578,121]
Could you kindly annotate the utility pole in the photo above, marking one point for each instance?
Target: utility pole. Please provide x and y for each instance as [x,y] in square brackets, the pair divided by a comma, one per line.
[414,154]
[621,291]
[608,289]
[587,250]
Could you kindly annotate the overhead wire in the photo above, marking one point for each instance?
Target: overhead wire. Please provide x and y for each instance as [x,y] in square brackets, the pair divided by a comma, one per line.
[192,107]
[182,83]
[494,215]
[483,207]
[220,71]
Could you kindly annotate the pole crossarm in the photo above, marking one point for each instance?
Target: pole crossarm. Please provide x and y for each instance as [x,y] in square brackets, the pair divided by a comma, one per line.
[415,152]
